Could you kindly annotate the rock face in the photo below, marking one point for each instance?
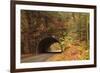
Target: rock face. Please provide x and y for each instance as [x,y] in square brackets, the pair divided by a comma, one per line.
[36,26]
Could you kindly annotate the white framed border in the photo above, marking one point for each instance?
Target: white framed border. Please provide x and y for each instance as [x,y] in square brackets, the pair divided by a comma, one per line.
[20,65]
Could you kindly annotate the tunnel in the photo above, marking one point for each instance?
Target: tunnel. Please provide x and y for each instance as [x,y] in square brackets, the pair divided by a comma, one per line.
[45,43]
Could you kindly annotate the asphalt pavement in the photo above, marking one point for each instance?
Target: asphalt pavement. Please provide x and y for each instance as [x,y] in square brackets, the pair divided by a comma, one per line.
[38,58]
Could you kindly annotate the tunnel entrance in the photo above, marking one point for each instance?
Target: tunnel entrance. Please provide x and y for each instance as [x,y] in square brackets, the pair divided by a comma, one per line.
[46,43]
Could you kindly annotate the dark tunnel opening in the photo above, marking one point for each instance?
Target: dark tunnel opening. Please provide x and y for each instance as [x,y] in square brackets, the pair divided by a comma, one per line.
[45,44]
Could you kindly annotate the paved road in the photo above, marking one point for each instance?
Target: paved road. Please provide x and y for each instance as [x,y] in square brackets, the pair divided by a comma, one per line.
[38,58]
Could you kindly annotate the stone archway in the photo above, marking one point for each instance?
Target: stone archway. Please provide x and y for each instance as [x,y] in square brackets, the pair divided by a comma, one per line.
[45,43]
